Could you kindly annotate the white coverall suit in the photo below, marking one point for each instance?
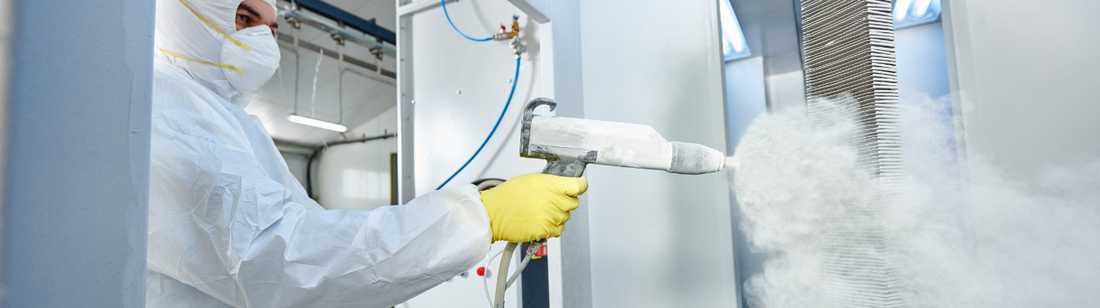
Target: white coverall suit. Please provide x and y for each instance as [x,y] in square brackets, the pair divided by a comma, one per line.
[229,226]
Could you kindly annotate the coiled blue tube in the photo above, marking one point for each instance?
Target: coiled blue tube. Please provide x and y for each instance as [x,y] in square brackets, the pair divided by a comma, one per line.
[515,80]
[456,28]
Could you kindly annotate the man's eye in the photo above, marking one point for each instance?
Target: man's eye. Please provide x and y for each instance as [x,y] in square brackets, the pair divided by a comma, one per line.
[242,18]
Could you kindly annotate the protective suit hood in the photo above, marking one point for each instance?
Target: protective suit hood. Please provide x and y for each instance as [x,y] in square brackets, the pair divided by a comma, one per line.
[186,40]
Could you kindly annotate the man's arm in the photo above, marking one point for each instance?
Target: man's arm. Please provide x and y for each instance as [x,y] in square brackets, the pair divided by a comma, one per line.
[219,224]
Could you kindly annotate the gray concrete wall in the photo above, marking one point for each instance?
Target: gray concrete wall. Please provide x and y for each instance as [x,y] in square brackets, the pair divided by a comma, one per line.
[76,183]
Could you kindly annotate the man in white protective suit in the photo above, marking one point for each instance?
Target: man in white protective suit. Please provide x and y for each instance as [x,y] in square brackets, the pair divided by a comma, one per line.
[229,226]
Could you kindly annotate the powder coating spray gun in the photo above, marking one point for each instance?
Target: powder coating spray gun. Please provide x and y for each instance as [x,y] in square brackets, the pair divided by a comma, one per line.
[568,145]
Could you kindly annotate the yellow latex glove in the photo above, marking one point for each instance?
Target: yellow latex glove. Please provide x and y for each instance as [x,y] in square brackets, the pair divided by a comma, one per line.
[532,206]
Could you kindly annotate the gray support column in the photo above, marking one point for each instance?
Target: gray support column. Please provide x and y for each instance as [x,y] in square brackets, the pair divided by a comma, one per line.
[569,92]
[406,111]
[6,26]
[77,163]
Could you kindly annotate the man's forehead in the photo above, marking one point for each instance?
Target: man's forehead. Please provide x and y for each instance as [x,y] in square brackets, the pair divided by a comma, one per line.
[270,3]
[260,10]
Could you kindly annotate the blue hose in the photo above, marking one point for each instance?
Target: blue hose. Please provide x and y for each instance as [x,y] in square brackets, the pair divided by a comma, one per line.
[456,28]
[515,80]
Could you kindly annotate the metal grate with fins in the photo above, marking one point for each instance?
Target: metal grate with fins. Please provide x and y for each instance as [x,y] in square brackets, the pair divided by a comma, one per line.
[848,48]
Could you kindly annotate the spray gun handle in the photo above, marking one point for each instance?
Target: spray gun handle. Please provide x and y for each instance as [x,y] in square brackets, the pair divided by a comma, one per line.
[556,164]
[570,168]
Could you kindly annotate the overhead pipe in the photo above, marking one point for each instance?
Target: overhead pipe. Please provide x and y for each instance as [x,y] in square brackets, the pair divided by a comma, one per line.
[335,26]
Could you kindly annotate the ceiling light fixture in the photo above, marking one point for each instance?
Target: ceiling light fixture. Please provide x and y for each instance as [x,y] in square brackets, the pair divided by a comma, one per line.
[317,123]
[733,40]
[922,7]
[901,9]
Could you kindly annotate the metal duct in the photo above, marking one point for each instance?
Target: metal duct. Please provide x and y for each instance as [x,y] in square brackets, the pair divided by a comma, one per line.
[848,48]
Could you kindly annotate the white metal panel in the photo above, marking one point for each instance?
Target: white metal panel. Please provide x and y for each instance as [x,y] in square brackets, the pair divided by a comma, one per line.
[922,62]
[658,239]
[1025,75]
[539,10]
[76,174]
[469,291]
[296,163]
[746,98]
[745,95]
[6,26]
[357,175]
[786,90]
[459,88]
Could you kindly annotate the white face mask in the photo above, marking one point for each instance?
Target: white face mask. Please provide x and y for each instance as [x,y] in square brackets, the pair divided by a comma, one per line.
[248,58]
[249,69]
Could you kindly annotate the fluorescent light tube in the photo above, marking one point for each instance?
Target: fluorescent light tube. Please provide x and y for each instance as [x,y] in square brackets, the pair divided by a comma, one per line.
[733,40]
[901,9]
[922,7]
[317,123]
[731,29]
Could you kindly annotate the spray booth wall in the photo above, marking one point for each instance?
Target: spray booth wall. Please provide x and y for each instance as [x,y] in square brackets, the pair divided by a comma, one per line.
[658,239]
[1024,80]
[357,175]
[460,88]
[655,239]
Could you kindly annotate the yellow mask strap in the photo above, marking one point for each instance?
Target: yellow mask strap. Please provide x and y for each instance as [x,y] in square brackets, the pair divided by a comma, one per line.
[208,23]
[233,68]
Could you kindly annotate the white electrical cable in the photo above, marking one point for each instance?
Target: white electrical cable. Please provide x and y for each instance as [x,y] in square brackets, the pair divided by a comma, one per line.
[485,277]
[531,250]
[502,284]
[498,300]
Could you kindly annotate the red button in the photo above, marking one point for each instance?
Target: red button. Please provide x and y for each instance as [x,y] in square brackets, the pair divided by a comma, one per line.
[481,271]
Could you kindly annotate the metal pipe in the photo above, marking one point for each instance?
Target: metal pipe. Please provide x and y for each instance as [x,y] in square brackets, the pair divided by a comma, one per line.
[355,22]
[289,43]
[317,150]
[297,69]
[334,29]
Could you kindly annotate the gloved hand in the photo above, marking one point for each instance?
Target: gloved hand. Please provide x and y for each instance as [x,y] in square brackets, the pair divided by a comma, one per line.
[532,206]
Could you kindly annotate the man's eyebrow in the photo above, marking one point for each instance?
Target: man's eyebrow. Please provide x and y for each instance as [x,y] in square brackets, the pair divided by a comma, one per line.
[250,10]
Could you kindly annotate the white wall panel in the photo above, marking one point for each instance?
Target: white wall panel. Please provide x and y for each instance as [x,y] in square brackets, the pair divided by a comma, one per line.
[746,98]
[76,178]
[922,61]
[461,88]
[658,239]
[357,175]
[786,90]
[296,163]
[1025,75]
[745,95]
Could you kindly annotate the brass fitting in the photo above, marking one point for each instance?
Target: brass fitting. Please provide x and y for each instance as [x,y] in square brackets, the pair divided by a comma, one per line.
[507,35]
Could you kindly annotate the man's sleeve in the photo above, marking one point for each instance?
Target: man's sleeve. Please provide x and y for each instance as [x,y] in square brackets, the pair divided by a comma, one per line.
[219,224]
